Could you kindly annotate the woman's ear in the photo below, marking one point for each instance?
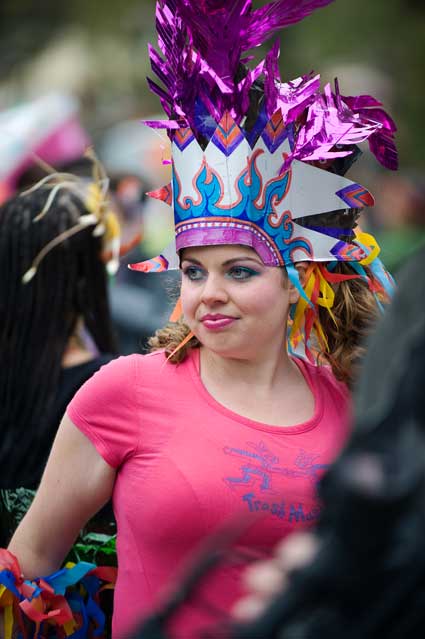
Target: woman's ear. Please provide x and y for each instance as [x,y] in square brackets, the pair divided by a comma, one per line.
[302,271]
[294,294]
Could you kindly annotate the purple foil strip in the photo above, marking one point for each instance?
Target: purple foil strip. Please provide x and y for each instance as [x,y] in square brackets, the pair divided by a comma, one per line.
[202,45]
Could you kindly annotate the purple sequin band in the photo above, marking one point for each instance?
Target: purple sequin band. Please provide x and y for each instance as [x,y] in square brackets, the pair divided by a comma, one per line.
[209,233]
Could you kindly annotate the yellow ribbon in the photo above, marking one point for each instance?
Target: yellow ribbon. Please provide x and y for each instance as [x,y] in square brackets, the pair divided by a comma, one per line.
[326,299]
[112,226]
[69,627]
[370,242]
[95,203]
[6,603]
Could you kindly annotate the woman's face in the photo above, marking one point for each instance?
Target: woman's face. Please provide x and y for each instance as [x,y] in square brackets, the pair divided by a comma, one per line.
[236,306]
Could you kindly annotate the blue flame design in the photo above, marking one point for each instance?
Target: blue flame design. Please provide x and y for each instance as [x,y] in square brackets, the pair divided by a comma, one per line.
[249,189]
[209,195]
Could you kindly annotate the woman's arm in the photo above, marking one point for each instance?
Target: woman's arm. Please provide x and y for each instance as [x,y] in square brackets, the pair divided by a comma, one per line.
[76,483]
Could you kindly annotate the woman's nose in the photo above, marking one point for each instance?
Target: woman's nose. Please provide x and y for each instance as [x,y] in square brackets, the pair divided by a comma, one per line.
[214,290]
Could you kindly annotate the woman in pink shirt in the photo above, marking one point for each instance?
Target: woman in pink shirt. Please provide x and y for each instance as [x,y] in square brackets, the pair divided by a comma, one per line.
[243,403]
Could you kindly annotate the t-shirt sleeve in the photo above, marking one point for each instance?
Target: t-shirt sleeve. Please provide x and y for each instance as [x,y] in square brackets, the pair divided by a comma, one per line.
[106,410]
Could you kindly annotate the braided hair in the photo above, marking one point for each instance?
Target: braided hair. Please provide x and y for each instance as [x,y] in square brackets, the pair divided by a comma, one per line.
[38,318]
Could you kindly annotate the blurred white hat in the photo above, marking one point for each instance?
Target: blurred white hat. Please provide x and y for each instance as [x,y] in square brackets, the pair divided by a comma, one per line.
[47,128]
[132,147]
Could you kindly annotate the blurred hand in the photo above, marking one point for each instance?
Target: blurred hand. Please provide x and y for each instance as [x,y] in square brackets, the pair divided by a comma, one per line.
[264,580]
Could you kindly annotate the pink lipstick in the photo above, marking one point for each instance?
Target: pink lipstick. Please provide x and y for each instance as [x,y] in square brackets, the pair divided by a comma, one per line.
[217,321]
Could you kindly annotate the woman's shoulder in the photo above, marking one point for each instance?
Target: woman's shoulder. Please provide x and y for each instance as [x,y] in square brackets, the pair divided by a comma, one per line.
[116,385]
[117,377]
[126,386]
[323,377]
[141,370]
[132,364]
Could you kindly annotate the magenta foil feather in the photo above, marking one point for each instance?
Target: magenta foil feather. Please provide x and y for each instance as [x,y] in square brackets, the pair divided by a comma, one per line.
[295,96]
[272,79]
[277,15]
[203,42]
[381,143]
[202,67]
[334,124]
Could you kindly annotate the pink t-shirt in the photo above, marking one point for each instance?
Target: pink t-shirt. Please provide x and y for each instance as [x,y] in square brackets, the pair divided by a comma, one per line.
[186,465]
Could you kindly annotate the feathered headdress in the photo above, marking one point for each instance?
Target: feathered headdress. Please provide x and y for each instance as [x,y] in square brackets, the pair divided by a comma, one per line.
[93,194]
[249,151]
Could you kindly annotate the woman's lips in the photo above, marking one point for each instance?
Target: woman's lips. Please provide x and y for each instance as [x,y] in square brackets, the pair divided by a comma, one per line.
[217,322]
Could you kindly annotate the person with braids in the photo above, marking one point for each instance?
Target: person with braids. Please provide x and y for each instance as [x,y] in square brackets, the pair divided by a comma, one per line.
[244,402]
[56,332]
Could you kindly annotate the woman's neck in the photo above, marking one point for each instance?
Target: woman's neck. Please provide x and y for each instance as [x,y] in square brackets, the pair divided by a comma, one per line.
[272,391]
[264,372]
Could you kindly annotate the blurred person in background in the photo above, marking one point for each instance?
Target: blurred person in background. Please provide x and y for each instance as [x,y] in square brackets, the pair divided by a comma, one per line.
[56,328]
[47,129]
[397,218]
[45,343]
[47,132]
[136,157]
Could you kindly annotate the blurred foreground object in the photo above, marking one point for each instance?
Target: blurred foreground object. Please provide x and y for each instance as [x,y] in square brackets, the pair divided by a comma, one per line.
[368,577]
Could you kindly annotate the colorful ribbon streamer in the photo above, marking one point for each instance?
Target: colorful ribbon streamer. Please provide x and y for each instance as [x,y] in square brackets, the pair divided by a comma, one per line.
[63,604]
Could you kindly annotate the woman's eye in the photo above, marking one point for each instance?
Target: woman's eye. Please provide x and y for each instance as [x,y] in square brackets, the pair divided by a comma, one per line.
[241,273]
[193,273]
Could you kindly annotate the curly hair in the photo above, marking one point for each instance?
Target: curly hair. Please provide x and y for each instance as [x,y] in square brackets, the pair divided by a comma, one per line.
[170,337]
[355,311]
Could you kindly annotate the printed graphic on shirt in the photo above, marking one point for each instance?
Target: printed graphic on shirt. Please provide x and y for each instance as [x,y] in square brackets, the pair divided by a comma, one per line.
[259,481]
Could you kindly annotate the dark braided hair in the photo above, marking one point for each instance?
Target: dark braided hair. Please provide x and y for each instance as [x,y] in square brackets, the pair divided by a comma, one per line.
[37,318]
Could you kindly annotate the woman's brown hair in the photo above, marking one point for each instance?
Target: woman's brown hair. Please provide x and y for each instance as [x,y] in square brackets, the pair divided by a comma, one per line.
[355,310]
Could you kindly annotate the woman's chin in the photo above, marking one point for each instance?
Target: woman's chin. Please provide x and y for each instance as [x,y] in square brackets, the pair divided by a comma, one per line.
[227,348]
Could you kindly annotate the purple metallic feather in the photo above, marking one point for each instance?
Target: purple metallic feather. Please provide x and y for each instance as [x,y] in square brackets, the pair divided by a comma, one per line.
[243,89]
[215,33]
[331,129]
[159,66]
[272,78]
[164,124]
[381,143]
[297,95]
[202,45]
[274,16]
[155,88]
[220,32]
